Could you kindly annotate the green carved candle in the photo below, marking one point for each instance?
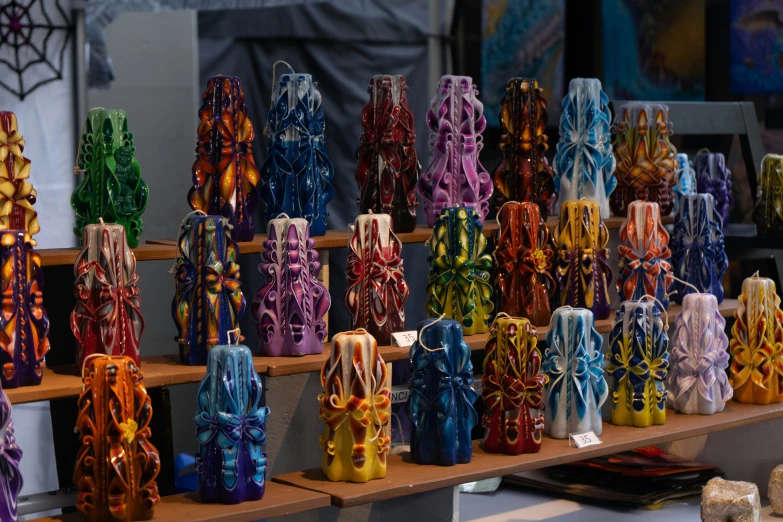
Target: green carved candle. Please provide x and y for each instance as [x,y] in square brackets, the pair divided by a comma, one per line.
[112,188]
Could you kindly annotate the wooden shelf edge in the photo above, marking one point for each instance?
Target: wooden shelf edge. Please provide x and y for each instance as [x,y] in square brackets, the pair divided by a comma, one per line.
[279,500]
[406,478]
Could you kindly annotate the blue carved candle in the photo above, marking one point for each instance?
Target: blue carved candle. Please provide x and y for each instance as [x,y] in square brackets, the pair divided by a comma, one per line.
[576,387]
[297,172]
[230,426]
[686,179]
[441,397]
[698,256]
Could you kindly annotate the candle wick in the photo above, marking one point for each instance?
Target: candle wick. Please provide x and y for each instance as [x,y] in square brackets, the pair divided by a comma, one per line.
[100,220]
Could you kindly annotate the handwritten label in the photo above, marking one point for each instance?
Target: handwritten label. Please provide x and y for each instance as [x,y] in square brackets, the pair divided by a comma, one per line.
[582,440]
[400,394]
[404,339]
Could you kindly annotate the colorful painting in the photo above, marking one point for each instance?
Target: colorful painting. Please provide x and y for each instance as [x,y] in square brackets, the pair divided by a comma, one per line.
[654,50]
[523,38]
[756,36]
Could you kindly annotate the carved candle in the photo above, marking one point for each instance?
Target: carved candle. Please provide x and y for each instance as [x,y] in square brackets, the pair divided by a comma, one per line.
[208,301]
[575,388]
[697,378]
[377,290]
[757,344]
[584,163]
[112,188]
[290,308]
[24,322]
[523,262]
[224,173]
[524,174]
[713,177]
[355,406]
[513,388]
[230,427]
[644,254]
[107,317]
[459,271]
[768,213]
[297,172]
[116,465]
[646,162]
[17,195]
[582,262]
[455,177]
[698,256]
[10,455]
[441,399]
[388,168]
[686,179]
[638,365]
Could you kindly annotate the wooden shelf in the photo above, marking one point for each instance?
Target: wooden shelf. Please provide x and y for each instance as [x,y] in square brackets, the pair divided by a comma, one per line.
[407,478]
[279,500]
[67,256]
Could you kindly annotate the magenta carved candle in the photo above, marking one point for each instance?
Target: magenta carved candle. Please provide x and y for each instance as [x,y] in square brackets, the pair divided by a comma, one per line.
[290,308]
[455,178]
[377,290]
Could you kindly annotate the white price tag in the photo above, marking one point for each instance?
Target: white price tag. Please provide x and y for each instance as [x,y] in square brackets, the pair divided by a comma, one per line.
[582,440]
[404,339]
[400,394]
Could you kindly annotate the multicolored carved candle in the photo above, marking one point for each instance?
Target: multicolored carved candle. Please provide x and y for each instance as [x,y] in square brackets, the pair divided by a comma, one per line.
[582,258]
[459,271]
[112,188]
[513,388]
[116,465]
[768,213]
[699,358]
[698,256]
[686,179]
[524,174]
[290,308]
[389,167]
[646,161]
[356,406]
[455,177]
[230,426]
[24,323]
[17,195]
[208,301]
[297,173]
[757,344]
[107,317]
[523,262]
[225,174]
[584,163]
[638,365]
[575,389]
[644,254]
[377,290]
[441,399]
[10,475]
[713,177]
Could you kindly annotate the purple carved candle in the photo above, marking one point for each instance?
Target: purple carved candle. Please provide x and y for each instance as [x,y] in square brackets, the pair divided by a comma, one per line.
[713,177]
[291,306]
[455,178]
[10,455]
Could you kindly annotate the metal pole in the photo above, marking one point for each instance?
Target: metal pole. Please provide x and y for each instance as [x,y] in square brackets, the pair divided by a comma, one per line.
[80,66]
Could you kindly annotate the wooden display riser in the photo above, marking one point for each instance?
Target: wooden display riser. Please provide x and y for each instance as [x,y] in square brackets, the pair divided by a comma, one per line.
[166,370]
[404,477]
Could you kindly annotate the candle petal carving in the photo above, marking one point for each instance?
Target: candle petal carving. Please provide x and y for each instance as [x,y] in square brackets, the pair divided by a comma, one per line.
[208,301]
[17,196]
[388,167]
[10,455]
[768,213]
[455,177]
[459,271]
[713,177]
[224,173]
[112,188]
[116,465]
[441,399]
[297,173]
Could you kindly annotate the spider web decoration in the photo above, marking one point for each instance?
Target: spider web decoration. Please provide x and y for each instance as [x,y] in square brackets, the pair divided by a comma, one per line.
[33,37]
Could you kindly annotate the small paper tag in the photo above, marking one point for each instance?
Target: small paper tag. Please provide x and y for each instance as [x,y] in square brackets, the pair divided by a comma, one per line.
[400,394]
[404,339]
[582,440]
